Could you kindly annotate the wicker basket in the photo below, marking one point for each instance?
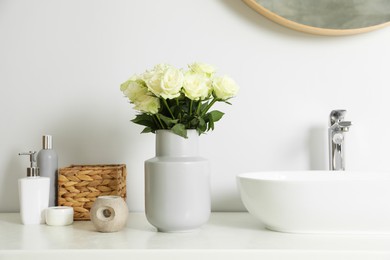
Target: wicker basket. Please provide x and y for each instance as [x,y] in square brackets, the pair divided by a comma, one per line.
[80,185]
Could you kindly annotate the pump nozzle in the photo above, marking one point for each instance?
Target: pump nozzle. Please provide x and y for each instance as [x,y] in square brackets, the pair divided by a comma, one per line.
[33,170]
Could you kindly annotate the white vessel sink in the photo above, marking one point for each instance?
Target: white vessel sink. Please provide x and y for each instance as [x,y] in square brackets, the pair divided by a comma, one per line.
[319,201]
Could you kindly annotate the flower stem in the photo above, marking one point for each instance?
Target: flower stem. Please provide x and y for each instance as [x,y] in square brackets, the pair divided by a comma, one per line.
[169,110]
[160,122]
[191,107]
[209,106]
[178,104]
[199,106]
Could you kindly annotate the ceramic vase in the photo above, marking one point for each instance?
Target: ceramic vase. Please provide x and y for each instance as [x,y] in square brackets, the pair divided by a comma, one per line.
[109,213]
[177,184]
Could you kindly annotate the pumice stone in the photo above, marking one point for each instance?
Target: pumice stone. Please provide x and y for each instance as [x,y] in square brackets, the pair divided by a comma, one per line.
[109,213]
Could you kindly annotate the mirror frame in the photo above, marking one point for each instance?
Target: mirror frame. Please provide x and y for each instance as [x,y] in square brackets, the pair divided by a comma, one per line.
[306,28]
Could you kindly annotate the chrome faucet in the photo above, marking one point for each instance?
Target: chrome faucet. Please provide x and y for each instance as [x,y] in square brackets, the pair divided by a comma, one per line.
[337,130]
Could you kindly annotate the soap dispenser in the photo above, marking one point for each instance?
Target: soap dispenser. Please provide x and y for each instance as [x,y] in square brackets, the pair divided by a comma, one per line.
[33,194]
[47,160]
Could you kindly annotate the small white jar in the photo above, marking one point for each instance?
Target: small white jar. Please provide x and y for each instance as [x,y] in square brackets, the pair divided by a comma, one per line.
[59,216]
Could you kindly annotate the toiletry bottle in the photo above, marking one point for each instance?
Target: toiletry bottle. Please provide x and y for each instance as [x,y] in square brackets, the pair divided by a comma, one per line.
[33,194]
[48,166]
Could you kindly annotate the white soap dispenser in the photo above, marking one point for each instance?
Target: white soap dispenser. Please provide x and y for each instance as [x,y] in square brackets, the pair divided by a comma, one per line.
[33,194]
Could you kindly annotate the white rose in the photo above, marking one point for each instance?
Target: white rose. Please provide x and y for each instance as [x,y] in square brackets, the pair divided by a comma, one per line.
[126,84]
[164,81]
[171,83]
[224,88]
[147,104]
[196,86]
[139,95]
[153,80]
[134,88]
[198,67]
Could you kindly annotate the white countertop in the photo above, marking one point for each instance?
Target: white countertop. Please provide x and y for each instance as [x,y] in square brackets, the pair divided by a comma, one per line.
[229,235]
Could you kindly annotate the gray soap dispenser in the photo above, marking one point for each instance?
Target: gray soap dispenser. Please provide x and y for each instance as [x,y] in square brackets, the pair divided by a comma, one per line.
[48,165]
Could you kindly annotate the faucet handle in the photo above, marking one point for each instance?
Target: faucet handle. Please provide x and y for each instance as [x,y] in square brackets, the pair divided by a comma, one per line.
[345,125]
[337,116]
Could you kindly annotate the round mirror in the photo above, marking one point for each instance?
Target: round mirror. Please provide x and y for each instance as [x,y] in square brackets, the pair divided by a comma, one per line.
[326,17]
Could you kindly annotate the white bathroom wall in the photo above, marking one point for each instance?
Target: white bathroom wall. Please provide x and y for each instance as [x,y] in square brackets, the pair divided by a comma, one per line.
[62,61]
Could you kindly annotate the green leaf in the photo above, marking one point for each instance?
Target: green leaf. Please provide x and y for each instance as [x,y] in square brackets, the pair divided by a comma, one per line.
[177,111]
[216,115]
[202,127]
[147,130]
[168,121]
[202,122]
[194,122]
[145,120]
[226,101]
[211,124]
[180,129]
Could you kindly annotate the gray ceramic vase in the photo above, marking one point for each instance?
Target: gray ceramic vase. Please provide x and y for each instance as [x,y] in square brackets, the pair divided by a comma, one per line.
[109,213]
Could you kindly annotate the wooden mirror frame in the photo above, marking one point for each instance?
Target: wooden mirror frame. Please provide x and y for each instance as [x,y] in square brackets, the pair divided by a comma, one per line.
[306,28]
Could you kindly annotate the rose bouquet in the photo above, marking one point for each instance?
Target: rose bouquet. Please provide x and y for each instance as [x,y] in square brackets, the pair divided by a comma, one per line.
[176,99]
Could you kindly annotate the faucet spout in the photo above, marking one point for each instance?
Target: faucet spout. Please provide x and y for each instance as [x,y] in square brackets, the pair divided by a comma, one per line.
[338,128]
